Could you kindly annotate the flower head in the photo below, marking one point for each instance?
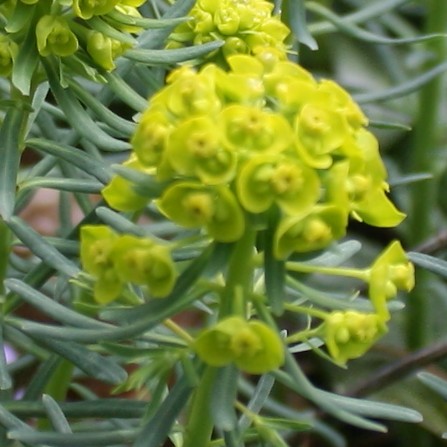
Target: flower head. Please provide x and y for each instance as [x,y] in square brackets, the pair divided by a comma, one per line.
[104,50]
[243,25]
[8,52]
[349,334]
[86,9]
[252,345]
[391,272]
[54,36]
[262,135]
[114,260]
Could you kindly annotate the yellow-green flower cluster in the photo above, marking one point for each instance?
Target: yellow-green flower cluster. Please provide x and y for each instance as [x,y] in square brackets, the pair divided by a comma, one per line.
[245,26]
[263,135]
[251,345]
[350,334]
[62,29]
[114,260]
[391,272]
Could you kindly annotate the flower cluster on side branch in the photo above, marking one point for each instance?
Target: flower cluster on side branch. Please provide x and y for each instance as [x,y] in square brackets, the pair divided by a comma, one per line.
[84,35]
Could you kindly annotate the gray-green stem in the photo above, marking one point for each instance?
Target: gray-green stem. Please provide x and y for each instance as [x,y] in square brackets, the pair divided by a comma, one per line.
[426,139]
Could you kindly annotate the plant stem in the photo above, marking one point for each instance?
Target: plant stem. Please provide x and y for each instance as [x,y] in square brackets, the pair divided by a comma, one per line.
[426,139]
[336,271]
[238,286]
[239,279]
[200,422]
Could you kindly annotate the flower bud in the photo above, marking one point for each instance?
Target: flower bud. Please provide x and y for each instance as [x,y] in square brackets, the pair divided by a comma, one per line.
[8,53]
[55,37]
[314,231]
[86,9]
[97,242]
[121,193]
[195,148]
[193,205]
[141,261]
[266,179]
[349,334]
[390,272]
[252,345]
[104,50]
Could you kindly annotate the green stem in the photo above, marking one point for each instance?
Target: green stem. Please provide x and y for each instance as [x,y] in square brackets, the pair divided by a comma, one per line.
[335,271]
[427,135]
[200,423]
[239,279]
[306,310]
[238,287]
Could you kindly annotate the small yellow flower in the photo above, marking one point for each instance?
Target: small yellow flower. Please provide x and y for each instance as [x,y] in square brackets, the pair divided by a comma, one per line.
[55,37]
[391,272]
[252,345]
[349,334]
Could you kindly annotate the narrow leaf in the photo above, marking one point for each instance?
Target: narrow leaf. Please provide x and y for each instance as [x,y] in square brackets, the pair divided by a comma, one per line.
[388,125]
[74,156]
[119,223]
[156,38]
[9,137]
[337,254]
[10,421]
[50,307]
[295,13]
[404,88]
[223,398]
[156,430]
[125,93]
[409,179]
[37,103]
[360,34]
[434,382]
[84,186]
[258,399]
[5,378]
[40,378]
[148,316]
[26,62]
[286,424]
[144,22]
[370,11]
[55,415]
[97,408]
[430,263]
[124,127]
[92,363]
[296,380]
[41,248]
[374,409]
[97,23]
[175,56]
[91,439]
[78,117]
[144,184]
